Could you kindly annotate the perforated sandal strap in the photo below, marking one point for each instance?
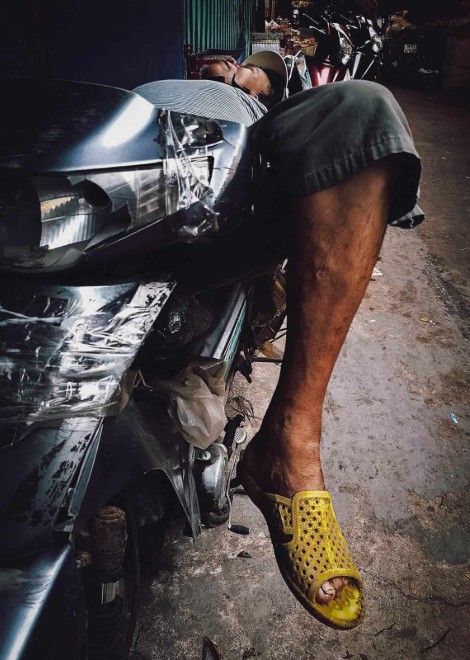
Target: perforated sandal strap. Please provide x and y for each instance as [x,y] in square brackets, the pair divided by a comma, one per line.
[316,546]
[280,510]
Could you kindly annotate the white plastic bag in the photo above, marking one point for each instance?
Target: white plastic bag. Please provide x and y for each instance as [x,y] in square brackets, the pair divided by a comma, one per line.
[197,407]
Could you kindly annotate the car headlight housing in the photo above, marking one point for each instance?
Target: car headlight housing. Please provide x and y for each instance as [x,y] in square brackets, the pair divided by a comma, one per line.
[46,219]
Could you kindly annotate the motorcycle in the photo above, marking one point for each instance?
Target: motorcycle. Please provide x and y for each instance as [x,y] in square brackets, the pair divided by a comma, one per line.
[333,53]
[125,311]
[368,46]
[402,49]
[346,47]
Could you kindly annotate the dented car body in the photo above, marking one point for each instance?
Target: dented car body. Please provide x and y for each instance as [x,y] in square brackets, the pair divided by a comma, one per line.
[102,198]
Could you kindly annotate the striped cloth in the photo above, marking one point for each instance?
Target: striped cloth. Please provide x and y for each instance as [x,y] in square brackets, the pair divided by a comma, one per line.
[313,140]
[203,98]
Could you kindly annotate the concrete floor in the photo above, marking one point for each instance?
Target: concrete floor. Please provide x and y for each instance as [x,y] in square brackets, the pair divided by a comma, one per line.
[395,461]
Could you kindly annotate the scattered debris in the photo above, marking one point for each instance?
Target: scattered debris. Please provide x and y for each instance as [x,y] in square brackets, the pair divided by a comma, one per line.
[454,418]
[244,554]
[425,319]
[242,406]
[250,653]
[239,529]
[376,273]
[210,650]
[348,655]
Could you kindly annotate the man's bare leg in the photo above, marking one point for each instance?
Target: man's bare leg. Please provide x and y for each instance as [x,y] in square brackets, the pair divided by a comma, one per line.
[340,231]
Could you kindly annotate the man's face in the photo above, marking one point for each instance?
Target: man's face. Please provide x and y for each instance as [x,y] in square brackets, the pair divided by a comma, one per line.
[249,77]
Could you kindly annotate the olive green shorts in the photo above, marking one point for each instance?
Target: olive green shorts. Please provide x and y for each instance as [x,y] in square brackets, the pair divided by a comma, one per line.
[317,138]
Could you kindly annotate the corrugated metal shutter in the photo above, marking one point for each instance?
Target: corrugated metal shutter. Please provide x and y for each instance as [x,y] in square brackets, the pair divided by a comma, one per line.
[222,24]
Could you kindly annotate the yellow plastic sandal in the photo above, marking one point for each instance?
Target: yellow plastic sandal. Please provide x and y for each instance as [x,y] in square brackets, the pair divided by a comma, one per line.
[310,549]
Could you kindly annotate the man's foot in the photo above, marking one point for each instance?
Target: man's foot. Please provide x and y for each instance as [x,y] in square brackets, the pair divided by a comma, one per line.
[287,473]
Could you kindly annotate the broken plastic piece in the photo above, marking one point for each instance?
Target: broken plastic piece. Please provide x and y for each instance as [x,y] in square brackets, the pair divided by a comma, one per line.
[425,319]
[239,529]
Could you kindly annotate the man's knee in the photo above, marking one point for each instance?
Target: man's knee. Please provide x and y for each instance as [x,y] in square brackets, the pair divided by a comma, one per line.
[369,104]
[360,106]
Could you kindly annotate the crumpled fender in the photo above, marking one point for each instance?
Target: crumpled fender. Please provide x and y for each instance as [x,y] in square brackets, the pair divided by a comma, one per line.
[109,456]
[35,475]
[132,445]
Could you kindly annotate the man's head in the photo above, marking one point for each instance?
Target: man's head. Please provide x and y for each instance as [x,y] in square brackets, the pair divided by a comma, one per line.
[262,75]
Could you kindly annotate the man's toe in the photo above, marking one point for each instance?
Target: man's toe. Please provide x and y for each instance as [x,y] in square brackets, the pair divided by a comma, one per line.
[326,592]
[331,589]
